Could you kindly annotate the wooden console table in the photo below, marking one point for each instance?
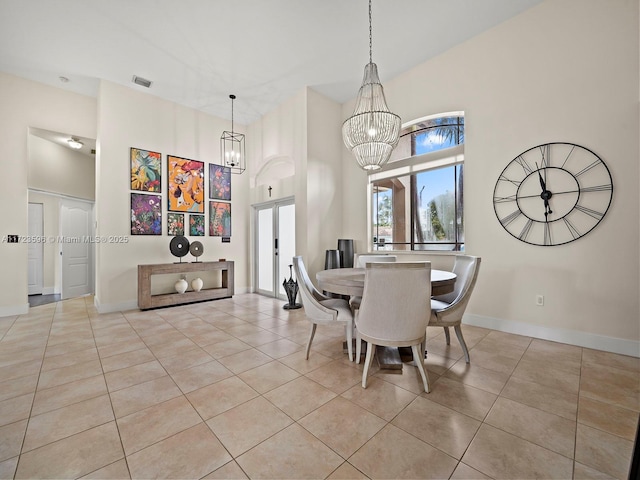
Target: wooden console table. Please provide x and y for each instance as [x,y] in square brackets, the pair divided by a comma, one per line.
[146,300]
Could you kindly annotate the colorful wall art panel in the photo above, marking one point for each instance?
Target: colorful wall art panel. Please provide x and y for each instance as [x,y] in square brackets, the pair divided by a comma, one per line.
[186,185]
[219,219]
[219,182]
[146,170]
[146,214]
[196,225]
[175,224]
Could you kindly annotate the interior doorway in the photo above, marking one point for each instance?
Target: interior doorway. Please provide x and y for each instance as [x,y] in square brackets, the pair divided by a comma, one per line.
[62,180]
[275,245]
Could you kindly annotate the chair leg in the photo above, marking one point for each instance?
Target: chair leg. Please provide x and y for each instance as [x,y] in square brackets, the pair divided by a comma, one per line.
[447,336]
[462,342]
[349,330]
[311,334]
[367,363]
[358,347]
[415,349]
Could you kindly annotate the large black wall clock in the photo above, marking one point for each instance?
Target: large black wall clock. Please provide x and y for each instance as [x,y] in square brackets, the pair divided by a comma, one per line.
[553,194]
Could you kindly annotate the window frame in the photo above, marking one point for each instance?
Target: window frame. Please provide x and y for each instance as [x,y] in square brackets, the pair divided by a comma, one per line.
[413,165]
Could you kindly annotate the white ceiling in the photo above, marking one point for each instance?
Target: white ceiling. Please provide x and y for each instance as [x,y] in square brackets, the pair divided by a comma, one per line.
[197,52]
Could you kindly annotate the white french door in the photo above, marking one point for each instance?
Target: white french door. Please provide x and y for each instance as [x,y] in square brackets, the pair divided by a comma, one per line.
[275,244]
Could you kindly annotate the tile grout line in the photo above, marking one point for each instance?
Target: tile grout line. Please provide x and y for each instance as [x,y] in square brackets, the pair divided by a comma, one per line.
[115,419]
[24,437]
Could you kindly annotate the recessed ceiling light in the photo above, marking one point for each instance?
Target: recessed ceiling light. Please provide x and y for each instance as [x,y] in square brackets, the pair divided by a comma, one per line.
[75,143]
[141,81]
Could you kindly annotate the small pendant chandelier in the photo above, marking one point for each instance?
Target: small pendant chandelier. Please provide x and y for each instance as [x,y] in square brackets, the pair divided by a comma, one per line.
[372,132]
[232,152]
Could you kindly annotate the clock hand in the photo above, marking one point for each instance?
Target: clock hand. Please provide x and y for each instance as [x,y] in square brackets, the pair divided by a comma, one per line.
[547,209]
[545,195]
[554,193]
[542,184]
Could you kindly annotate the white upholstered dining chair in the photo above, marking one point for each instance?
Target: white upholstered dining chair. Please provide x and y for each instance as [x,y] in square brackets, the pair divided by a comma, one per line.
[447,310]
[360,261]
[320,309]
[394,311]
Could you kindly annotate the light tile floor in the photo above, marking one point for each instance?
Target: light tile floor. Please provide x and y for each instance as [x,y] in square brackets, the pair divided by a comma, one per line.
[222,390]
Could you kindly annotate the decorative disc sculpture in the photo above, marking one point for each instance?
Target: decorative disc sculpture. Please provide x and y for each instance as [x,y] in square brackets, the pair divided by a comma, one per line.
[179,247]
[291,287]
[196,249]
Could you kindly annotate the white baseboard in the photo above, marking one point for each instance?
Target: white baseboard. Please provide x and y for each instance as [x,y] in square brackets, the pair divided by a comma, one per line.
[49,291]
[571,337]
[114,307]
[14,310]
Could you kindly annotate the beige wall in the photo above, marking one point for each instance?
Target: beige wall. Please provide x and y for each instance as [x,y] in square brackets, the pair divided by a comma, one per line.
[58,169]
[324,179]
[303,129]
[128,118]
[560,72]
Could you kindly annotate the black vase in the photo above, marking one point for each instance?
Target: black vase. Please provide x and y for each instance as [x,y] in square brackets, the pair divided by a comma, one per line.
[345,246]
[332,259]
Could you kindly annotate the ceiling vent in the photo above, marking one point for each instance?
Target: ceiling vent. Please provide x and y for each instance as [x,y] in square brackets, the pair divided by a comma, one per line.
[141,81]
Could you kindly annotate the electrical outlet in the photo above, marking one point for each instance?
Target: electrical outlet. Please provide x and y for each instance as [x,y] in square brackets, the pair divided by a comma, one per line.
[540,300]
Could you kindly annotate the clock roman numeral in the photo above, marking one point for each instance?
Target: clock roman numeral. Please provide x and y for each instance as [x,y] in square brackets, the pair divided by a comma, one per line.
[572,229]
[568,155]
[587,168]
[592,213]
[524,233]
[505,179]
[510,218]
[510,198]
[545,152]
[597,188]
[547,234]
[525,166]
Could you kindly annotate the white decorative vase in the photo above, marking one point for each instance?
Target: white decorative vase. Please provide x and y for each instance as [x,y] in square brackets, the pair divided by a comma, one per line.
[181,285]
[196,284]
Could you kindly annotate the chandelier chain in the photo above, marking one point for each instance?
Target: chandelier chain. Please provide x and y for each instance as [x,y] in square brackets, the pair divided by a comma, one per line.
[370,35]
[232,97]
[372,132]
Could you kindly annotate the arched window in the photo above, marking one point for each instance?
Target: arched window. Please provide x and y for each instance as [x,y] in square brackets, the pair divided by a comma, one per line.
[416,200]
